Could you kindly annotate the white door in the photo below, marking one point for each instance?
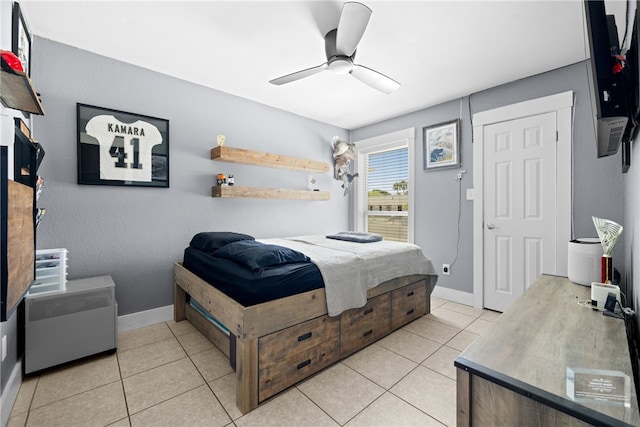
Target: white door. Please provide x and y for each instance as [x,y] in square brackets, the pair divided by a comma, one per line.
[519,200]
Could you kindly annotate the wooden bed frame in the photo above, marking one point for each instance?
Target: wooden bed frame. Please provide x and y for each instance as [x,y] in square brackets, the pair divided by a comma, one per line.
[276,344]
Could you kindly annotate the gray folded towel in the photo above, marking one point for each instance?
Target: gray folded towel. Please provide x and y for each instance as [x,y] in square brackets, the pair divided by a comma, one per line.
[356,236]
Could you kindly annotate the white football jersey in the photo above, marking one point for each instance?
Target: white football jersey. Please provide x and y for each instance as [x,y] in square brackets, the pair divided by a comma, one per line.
[125,148]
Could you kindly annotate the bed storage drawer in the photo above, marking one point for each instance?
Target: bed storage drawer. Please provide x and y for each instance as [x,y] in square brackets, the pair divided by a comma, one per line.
[298,338]
[275,377]
[408,303]
[362,326]
[287,356]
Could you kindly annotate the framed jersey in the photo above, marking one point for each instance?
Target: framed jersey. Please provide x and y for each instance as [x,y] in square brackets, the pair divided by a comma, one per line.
[120,148]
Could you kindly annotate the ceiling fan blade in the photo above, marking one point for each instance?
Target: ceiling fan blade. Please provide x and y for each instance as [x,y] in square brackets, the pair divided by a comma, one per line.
[353,21]
[299,75]
[374,79]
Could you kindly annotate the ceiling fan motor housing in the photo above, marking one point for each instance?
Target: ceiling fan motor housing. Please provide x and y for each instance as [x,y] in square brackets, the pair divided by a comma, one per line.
[339,63]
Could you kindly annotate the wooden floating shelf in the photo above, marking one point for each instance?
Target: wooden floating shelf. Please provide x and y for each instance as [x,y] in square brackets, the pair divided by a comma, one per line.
[268,193]
[17,92]
[257,158]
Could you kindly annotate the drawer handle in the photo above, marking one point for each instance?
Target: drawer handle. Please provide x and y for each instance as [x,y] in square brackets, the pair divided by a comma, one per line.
[303,364]
[367,311]
[305,336]
[410,312]
[410,294]
[369,332]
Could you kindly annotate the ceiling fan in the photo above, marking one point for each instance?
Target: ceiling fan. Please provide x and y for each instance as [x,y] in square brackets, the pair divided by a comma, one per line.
[340,47]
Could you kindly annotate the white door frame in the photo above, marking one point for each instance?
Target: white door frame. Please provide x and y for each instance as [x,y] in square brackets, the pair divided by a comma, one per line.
[562,105]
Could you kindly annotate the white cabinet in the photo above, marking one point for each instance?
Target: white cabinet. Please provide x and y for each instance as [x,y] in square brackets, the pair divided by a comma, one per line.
[71,324]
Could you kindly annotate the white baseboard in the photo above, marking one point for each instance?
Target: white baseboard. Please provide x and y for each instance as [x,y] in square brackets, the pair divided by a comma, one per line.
[145,318]
[453,295]
[10,393]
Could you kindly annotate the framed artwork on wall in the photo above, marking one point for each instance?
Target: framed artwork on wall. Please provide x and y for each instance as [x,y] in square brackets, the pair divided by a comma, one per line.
[120,148]
[21,39]
[442,145]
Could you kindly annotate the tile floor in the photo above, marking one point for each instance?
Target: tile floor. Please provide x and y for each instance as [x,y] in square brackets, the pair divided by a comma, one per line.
[170,375]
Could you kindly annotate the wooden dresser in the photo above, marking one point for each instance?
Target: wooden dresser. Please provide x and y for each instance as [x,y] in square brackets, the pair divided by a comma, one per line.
[539,362]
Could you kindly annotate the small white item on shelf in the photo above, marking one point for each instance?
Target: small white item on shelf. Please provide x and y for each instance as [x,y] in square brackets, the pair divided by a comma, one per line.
[51,271]
[312,183]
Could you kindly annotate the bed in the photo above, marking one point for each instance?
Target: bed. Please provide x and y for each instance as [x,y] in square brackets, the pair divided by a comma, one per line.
[287,312]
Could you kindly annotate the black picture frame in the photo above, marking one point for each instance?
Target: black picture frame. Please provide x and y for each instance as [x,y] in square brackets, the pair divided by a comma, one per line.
[441,145]
[21,39]
[121,148]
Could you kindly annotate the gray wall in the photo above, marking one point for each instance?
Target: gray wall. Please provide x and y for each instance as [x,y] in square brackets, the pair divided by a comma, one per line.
[136,234]
[598,183]
[632,229]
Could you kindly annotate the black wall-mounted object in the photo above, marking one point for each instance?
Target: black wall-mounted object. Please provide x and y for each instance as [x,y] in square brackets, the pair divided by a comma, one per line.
[4,155]
[27,157]
[613,82]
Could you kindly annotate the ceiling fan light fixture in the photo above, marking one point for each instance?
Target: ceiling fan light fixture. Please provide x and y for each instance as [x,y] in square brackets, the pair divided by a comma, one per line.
[340,46]
[341,65]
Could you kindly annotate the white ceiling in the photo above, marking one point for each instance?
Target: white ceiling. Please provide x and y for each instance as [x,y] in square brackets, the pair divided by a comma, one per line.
[437,50]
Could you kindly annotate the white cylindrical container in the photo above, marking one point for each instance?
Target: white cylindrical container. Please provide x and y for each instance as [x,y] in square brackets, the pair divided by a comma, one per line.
[584,260]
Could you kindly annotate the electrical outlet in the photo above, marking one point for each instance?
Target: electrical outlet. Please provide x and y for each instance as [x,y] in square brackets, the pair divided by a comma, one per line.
[446,269]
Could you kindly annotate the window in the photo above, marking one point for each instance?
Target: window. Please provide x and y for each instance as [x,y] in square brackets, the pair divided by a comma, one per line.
[388,193]
[384,202]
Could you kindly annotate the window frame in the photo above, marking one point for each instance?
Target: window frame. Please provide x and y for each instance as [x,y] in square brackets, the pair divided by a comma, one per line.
[390,141]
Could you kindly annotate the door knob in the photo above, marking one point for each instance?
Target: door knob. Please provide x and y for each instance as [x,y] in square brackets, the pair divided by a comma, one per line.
[491,226]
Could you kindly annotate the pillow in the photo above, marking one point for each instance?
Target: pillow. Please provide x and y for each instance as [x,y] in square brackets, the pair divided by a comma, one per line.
[256,255]
[211,241]
[356,236]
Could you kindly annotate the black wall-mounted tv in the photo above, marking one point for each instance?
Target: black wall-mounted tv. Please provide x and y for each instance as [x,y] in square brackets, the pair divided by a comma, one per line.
[613,77]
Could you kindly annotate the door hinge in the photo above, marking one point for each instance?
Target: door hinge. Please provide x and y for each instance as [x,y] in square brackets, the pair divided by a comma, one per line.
[557,136]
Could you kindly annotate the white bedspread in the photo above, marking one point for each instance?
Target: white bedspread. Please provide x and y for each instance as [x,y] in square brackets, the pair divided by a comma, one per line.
[350,269]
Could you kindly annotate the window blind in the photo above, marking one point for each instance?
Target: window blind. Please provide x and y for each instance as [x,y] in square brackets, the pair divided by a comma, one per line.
[388,193]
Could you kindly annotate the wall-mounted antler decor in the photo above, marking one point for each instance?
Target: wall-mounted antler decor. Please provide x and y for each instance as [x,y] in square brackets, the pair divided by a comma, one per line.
[344,153]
